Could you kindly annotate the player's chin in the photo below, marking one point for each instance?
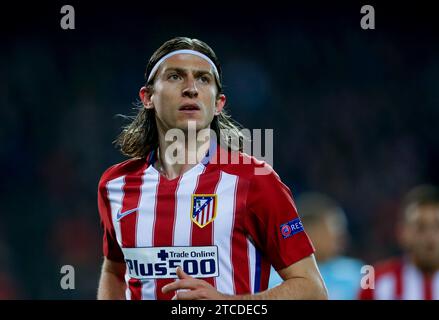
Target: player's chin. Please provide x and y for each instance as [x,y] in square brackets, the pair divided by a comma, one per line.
[191,124]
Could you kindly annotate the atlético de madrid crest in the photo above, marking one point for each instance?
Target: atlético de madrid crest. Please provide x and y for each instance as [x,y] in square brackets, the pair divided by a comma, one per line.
[203,209]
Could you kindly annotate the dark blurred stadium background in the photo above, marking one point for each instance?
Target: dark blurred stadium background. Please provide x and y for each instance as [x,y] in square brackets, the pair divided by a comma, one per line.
[354,112]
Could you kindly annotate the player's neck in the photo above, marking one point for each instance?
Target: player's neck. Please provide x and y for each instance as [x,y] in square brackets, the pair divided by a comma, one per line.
[174,158]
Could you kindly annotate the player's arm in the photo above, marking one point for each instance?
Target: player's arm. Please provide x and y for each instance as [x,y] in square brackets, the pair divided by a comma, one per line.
[302,280]
[111,284]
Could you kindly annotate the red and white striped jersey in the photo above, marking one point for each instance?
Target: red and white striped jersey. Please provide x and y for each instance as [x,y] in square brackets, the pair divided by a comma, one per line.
[397,279]
[220,222]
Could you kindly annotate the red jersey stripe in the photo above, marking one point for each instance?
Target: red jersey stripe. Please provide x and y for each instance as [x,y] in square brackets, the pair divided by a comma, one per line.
[399,287]
[131,196]
[239,252]
[428,287]
[164,224]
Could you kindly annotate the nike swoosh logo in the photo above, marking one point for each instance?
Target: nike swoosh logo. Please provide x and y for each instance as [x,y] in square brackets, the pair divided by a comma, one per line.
[124,214]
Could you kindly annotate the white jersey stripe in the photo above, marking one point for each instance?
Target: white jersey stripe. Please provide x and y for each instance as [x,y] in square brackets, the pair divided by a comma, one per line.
[175,228]
[435,286]
[385,287]
[231,234]
[147,206]
[413,284]
[211,208]
[200,217]
[115,197]
[208,214]
[145,221]
[223,230]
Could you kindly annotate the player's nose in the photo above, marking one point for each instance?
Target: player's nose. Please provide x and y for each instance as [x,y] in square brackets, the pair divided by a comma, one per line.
[190,90]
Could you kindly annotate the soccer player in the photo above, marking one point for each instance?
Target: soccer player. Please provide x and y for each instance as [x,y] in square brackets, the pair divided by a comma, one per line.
[200,229]
[414,275]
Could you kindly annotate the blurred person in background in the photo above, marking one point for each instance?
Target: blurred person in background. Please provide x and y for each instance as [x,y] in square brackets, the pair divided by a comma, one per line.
[326,224]
[414,275]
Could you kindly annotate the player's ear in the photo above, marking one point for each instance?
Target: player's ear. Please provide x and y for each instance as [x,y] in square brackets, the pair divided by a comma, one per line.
[145,95]
[220,103]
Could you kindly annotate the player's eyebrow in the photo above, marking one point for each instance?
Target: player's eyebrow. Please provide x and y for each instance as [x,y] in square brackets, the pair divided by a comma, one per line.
[184,71]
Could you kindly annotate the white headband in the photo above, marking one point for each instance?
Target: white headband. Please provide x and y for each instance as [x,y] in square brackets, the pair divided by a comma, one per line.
[186,51]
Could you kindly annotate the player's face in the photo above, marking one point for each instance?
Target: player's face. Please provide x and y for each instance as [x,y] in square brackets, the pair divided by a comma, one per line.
[185,90]
[421,236]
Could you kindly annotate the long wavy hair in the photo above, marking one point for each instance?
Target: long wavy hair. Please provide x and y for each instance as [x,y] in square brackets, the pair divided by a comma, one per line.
[140,136]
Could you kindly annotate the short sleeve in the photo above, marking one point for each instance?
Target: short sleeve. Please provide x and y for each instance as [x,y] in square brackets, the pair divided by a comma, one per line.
[111,248]
[273,223]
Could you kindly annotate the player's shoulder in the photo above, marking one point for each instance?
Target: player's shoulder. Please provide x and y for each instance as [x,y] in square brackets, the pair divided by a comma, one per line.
[248,167]
[121,169]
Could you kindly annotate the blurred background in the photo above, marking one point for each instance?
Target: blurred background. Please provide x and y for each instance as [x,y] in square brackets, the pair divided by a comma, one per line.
[355,115]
